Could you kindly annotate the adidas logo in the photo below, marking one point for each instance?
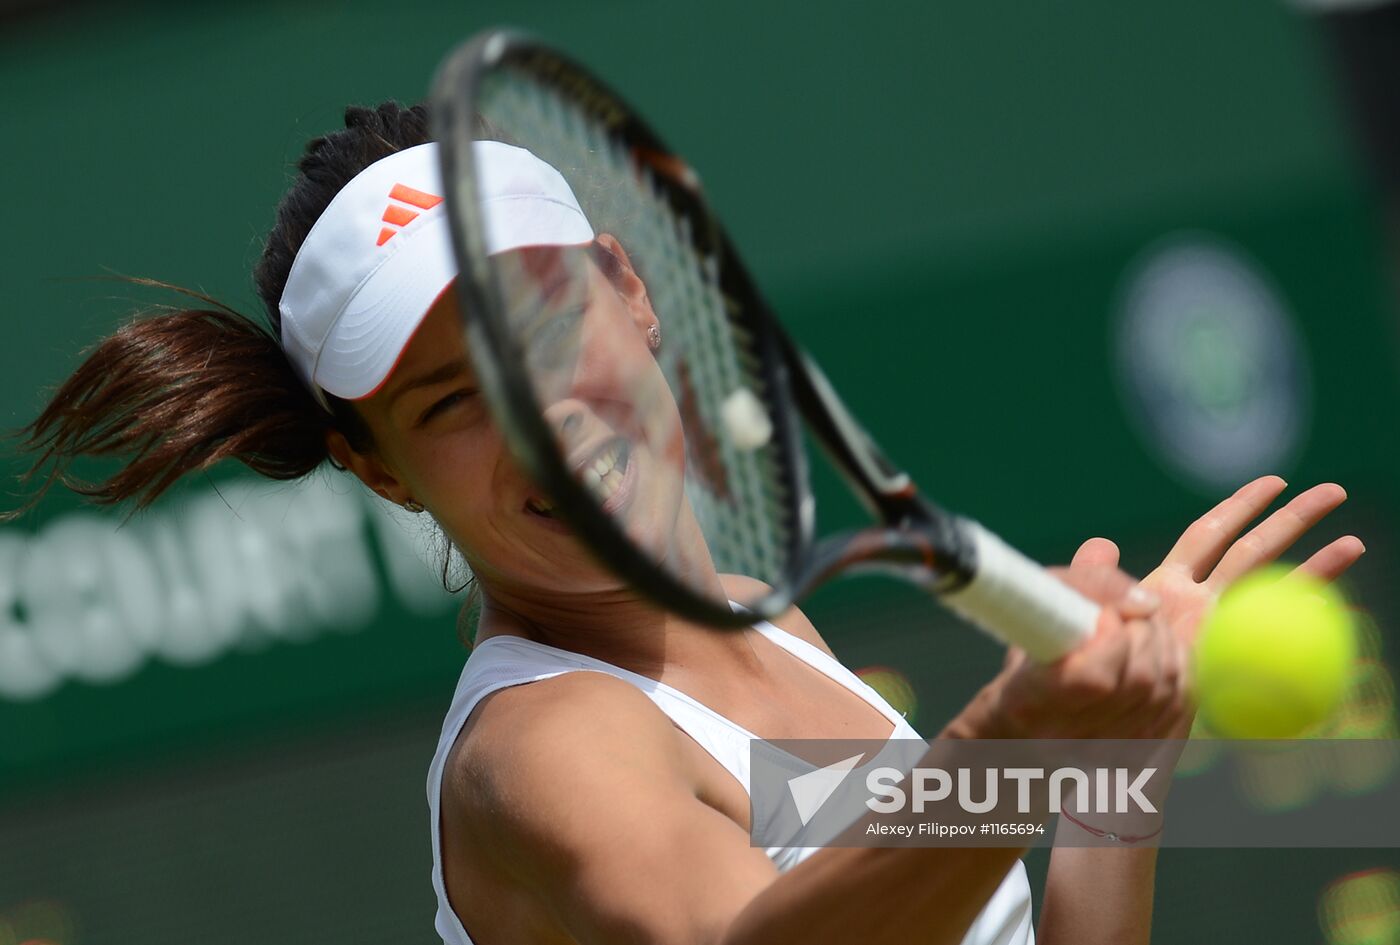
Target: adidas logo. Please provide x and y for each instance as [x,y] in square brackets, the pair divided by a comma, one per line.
[399,216]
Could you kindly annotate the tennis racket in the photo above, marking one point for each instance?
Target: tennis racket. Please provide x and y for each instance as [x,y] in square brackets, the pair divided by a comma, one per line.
[642,383]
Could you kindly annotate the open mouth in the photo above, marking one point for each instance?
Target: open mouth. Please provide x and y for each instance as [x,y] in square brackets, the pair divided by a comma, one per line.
[540,507]
[602,475]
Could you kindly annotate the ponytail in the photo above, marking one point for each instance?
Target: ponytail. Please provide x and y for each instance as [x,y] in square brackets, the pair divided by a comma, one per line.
[175,393]
[178,391]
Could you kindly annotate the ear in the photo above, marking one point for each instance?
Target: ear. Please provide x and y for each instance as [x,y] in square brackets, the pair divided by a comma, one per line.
[629,285]
[367,467]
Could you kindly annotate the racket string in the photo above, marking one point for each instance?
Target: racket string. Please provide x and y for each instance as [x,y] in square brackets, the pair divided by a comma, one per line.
[737,494]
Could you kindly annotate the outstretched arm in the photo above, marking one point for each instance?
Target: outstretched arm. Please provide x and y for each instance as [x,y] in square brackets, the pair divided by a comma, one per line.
[576,792]
[1104,895]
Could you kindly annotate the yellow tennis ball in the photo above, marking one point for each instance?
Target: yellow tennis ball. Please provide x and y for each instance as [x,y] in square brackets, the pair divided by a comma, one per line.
[1274,656]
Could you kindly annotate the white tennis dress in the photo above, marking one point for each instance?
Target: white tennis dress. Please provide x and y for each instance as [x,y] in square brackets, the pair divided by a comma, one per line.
[504,661]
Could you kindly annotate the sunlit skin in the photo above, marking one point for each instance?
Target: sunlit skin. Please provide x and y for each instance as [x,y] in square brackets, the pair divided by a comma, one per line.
[434,442]
[601,387]
[531,856]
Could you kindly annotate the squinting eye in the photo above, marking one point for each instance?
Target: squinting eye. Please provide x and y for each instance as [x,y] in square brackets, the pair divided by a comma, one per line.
[451,400]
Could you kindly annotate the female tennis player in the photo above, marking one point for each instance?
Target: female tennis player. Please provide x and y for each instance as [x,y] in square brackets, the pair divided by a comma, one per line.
[591,780]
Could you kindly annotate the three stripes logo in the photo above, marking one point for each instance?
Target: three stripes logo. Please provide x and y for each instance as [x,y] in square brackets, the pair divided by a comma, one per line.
[398,213]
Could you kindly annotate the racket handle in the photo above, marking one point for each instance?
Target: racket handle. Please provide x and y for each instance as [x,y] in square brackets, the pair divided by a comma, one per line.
[1019,602]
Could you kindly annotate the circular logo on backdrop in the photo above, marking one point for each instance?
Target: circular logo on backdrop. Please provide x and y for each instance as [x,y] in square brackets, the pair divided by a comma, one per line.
[1211,367]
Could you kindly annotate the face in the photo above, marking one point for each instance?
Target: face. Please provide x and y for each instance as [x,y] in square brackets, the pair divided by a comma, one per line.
[593,370]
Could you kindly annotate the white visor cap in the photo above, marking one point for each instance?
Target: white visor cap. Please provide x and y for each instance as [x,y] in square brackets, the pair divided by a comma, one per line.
[381,254]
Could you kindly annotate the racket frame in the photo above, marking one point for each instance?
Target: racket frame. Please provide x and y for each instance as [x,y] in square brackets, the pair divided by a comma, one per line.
[496,351]
[915,539]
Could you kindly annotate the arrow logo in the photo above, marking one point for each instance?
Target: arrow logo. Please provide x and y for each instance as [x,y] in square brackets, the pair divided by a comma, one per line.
[811,790]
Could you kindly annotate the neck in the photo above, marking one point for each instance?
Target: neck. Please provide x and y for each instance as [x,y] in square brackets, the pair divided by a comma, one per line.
[619,626]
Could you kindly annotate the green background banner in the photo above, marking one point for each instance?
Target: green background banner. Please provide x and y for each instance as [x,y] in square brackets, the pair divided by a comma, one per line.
[215,718]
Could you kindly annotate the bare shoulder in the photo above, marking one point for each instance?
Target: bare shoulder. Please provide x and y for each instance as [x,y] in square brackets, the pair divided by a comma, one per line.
[794,621]
[520,738]
[541,804]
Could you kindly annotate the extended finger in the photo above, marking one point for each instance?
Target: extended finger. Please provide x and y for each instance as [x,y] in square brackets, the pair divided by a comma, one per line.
[1277,533]
[1332,561]
[1096,553]
[1206,539]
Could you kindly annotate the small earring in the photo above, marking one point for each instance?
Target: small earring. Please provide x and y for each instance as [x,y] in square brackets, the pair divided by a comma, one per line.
[412,506]
[654,336]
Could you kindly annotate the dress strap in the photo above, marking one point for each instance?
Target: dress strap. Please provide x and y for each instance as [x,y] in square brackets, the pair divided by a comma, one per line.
[824,663]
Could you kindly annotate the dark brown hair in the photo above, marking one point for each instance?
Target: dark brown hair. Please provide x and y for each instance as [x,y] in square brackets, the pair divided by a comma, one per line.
[177,390]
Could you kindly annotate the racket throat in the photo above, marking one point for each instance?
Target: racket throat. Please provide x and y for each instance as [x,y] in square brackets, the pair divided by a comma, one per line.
[926,547]
[884,488]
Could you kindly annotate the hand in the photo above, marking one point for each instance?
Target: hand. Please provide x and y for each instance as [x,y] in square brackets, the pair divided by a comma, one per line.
[1127,681]
[1210,555]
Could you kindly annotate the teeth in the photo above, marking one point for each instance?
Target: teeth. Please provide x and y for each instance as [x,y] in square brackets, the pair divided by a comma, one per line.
[605,462]
[602,477]
[605,489]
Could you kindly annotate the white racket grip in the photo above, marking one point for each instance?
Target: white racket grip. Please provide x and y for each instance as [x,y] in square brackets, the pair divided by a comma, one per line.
[1019,602]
